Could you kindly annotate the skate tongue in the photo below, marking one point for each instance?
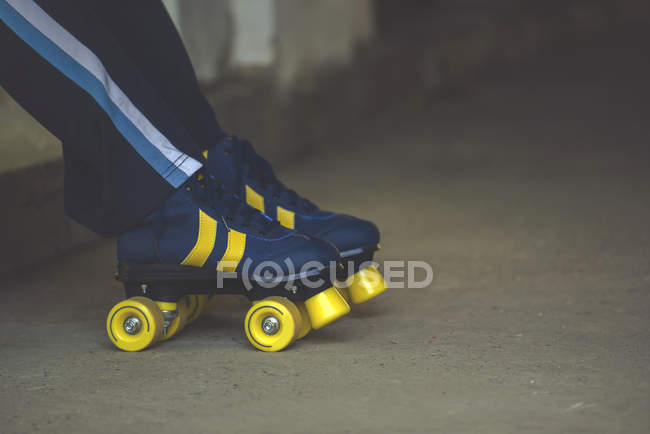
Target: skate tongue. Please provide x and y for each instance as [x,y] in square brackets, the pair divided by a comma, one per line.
[232,159]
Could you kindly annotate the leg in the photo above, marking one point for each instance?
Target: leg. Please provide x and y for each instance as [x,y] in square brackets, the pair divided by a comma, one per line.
[125,153]
[174,78]
[357,239]
[158,52]
[124,149]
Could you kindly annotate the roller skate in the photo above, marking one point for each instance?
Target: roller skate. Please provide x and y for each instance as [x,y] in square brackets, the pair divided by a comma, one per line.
[253,179]
[204,242]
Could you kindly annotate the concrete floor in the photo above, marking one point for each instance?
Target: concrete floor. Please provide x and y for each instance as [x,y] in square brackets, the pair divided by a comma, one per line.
[529,197]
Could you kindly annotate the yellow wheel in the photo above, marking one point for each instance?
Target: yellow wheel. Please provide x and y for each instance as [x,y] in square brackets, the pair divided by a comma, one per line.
[365,285]
[345,294]
[195,305]
[175,315]
[326,307]
[272,324]
[210,303]
[204,299]
[306,322]
[134,324]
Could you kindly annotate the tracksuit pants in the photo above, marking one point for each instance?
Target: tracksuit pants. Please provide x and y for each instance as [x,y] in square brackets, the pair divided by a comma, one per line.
[111,79]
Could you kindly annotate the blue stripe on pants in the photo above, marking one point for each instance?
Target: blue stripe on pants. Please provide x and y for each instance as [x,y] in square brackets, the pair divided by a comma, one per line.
[84,79]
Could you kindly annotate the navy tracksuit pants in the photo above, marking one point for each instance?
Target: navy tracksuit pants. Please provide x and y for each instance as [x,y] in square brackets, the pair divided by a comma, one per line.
[113,82]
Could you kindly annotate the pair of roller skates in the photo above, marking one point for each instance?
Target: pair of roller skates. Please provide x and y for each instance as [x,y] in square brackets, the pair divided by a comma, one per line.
[235,229]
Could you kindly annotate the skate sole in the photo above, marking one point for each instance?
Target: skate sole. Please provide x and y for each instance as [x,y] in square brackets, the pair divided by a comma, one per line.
[170,282]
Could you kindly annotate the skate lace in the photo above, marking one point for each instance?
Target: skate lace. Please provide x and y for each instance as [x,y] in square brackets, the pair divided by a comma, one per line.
[209,191]
[251,165]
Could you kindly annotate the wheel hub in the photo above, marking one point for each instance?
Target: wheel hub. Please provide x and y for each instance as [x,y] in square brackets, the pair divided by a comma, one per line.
[132,325]
[270,325]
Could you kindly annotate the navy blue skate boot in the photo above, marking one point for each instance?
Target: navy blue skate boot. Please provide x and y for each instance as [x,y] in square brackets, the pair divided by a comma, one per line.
[204,241]
[253,179]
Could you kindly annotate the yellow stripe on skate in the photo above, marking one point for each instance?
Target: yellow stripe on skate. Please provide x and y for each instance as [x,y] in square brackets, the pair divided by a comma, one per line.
[200,176]
[234,251]
[286,218]
[254,199]
[204,242]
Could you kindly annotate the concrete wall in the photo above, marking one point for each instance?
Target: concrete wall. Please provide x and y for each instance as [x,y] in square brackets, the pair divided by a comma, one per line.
[314,35]
[292,74]
[291,38]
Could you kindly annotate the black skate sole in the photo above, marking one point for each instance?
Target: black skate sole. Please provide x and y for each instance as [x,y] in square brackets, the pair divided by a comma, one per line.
[169,282]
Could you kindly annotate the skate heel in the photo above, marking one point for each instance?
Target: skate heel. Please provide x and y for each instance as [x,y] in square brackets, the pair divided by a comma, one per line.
[365,285]
[326,307]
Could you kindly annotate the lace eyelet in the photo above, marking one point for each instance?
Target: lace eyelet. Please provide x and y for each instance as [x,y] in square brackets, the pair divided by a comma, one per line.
[188,188]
